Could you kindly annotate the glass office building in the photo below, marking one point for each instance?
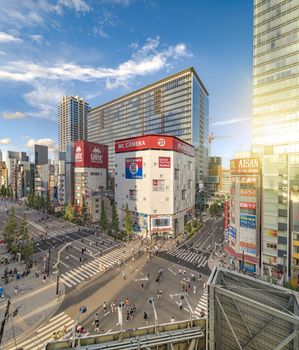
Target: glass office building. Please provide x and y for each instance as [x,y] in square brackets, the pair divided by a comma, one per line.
[276,130]
[177,105]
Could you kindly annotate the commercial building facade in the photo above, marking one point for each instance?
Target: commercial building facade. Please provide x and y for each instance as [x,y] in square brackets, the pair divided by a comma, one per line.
[244,228]
[72,119]
[276,130]
[177,105]
[215,176]
[154,176]
[90,174]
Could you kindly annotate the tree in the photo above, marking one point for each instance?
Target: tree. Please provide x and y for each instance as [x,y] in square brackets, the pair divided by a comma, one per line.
[84,211]
[103,217]
[188,228]
[128,227]
[26,246]
[215,208]
[115,220]
[76,216]
[200,217]
[11,229]
[69,212]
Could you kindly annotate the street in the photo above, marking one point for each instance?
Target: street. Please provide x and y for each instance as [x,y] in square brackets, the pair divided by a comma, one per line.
[195,253]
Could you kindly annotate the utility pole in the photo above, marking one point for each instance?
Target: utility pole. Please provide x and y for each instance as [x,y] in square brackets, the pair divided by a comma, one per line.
[49,258]
[57,265]
[152,302]
[4,319]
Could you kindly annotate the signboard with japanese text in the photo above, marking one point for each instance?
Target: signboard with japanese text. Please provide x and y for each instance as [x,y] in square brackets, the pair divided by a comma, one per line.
[159,185]
[247,180]
[154,142]
[248,240]
[248,193]
[247,221]
[164,162]
[247,205]
[161,223]
[225,208]
[244,166]
[90,155]
[134,168]
[232,232]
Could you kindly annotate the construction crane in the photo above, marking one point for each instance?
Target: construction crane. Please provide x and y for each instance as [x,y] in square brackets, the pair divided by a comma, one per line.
[212,137]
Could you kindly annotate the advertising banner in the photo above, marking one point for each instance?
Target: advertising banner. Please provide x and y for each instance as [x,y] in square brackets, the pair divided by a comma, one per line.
[248,240]
[249,267]
[164,162]
[269,232]
[247,205]
[232,232]
[134,168]
[248,193]
[154,142]
[244,166]
[247,180]
[161,223]
[248,221]
[90,155]
[225,215]
[138,222]
[159,185]
[248,248]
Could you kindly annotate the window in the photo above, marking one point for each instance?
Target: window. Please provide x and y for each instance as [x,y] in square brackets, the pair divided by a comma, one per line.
[189,165]
[183,194]
[189,184]
[176,174]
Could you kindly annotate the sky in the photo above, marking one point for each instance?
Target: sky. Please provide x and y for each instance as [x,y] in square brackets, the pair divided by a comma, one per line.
[102,49]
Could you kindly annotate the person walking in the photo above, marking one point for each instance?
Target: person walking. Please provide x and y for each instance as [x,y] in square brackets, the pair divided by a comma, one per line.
[172,319]
[104,307]
[127,302]
[142,287]
[194,289]
[145,317]
[181,305]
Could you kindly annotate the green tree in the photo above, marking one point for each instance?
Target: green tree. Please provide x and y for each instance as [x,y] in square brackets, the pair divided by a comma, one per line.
[69,212]
[200,217]
[11,229]
[84,211]
[26,246]
[3,191]
[128,227]
[76,216]
[188,228]
[215,208]
[115,220]
[103,217]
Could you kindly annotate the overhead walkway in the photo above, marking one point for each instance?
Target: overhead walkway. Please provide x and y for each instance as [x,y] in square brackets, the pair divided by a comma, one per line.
[170,336]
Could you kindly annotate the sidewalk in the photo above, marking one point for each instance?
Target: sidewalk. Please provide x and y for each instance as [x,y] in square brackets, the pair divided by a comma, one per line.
[36,302]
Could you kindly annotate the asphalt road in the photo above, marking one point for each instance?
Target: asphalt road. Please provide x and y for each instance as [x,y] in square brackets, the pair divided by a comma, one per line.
[194,254]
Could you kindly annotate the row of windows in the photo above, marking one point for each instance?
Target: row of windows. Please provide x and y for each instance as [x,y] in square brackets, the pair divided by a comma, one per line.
[276,107]
[283,74]
[275,54]
[281,63]
[273,12]
[276,96]
[276,43]
[277,85]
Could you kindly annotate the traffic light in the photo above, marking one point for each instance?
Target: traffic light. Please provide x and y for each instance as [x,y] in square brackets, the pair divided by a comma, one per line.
[121,304]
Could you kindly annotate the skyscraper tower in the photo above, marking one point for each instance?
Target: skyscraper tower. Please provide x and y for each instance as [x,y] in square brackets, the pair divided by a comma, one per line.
[72,116]
[276,133]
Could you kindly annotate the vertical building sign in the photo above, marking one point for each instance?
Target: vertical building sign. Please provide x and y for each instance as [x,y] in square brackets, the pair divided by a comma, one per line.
[134,168]
[225,215]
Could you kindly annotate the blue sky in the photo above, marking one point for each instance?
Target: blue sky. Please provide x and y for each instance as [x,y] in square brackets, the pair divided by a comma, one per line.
[101,49]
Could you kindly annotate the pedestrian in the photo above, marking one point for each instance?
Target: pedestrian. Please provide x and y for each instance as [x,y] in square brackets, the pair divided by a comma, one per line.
[172,319]
[127,315]
[148,276]
[145,317]
[22,288]
[131,313]
[194,289]
[44,279]
[142,287]
[127,302]
[189,287]
[59,295]
[112,306]
[16,289]
[134,309]
[96,317]
[104,307]
[157,280]
[204,285]
[181,305]
[97,326]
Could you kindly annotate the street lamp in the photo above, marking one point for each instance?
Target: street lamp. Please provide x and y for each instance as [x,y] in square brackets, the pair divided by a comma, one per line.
[152,302]
[183,297]
[82,310]
[57,265]
[6,317]
[121,305]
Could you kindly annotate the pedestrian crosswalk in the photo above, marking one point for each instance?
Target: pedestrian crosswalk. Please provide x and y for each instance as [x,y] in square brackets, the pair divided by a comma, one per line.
[60,324]
[198,259]
[86,271]
[202,304]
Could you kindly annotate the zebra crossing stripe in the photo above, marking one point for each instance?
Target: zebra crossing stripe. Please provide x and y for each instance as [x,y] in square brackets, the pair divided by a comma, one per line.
[65,282]
[92,268]
[65,277]
[205,263]
[84,272]
[76,276]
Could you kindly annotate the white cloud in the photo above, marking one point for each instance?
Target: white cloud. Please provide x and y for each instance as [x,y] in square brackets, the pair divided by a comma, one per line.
[150,58]
[5,37]
[44,99]
[77,5]
[5,141]
[37,38]
[117,2]
[13,115]
[44,142]
[229,121]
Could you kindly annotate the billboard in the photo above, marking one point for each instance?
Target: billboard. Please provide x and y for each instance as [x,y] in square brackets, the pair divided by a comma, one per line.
[159,185]
[232,232]
[133,168]
[248,193]
[248,221]
[248,240]
[269,232]
[154,142]
[244,166]
[161,223]
[247,180]
[138,222]
[164,162]
[225,215]
[247,205]
[90,155]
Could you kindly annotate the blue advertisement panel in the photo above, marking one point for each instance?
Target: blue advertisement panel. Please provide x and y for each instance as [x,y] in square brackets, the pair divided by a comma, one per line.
[134,168]
[248,221]
[232,232]
[249,267]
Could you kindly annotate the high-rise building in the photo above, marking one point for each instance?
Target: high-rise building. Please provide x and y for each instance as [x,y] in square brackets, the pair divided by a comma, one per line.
[275,74]
[215,175]
[276,132]
[72,118]
[177,105]
[41,154]
[1,158]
